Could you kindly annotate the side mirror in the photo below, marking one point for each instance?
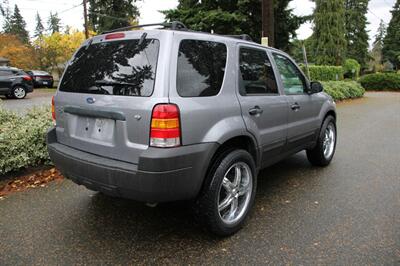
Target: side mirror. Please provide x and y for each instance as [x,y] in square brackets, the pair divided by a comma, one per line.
[316,87]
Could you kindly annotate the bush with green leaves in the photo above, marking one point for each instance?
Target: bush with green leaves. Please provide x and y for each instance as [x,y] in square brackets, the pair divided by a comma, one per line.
[22,138]
[341,90]
[351,69]
[324,73]
[381,81]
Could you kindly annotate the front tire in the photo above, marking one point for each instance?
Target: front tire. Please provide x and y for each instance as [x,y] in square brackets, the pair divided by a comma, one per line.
[322,153]
[229,197]
[19,92]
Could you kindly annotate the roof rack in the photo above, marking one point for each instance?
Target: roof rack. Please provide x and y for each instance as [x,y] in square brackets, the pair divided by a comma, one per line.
[175,25]
[241,36]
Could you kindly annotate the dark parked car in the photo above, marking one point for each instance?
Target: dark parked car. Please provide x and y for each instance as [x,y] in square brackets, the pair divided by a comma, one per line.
[41,79]
[15,83]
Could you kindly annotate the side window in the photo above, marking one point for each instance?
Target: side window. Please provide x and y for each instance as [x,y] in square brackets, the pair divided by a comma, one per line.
[256,73]
[293,80]
[201,68]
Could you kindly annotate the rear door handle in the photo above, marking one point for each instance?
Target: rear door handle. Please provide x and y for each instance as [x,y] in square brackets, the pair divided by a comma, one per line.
[295,106]
[256,110]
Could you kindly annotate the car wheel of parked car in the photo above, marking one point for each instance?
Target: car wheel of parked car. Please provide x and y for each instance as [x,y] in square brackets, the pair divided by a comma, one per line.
[225,204]
[19,92]
[323,152]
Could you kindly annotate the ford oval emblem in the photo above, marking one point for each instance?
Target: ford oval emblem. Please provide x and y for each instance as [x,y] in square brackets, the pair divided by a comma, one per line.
[90,100]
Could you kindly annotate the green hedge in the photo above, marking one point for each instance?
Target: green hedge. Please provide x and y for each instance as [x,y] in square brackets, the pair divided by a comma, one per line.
[351,69]
[341,90]
[324,73]
[22,138]
[381,81]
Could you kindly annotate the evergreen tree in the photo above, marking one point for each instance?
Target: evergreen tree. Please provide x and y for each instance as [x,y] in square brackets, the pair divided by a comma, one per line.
[377,46]
[237,17]
[2,8]
[39,26]
[286,24]
[6,13]
[329,32]
[16,25]
[391,43]
[356,33]
[111,14]
[54,23]
[376,56]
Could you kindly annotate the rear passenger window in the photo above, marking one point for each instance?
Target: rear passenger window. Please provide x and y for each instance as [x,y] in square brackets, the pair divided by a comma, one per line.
[256,73]
[201,68]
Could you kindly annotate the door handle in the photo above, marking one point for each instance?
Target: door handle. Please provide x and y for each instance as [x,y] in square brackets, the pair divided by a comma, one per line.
[256,110]
[295,106]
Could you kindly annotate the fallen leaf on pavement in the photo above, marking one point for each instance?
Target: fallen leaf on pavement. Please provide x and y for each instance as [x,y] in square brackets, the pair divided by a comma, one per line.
[39,178]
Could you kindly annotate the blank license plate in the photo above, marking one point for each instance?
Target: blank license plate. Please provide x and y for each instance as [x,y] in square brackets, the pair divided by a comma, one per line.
[100,129]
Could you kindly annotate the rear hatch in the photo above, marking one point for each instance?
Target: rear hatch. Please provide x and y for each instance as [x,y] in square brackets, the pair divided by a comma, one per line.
[104,101]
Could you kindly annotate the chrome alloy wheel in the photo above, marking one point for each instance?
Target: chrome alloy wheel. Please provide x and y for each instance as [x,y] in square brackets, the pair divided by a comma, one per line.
[19,92]
[329,141]
[235,193]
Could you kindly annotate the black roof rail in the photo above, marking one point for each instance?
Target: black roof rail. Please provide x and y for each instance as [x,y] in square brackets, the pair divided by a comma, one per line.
[175,25]
[241,36]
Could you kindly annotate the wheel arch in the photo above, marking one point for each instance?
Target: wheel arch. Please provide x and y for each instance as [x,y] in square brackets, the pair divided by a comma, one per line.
[330,113]
[245,142]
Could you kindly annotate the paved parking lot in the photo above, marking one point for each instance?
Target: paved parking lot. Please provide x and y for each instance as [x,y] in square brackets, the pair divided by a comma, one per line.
[345,214]
[36,98]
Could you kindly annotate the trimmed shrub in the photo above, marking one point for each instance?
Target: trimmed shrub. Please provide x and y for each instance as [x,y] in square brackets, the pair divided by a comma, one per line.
[324,73]
[381,81]
[351,69]
[341,90]
[22,139]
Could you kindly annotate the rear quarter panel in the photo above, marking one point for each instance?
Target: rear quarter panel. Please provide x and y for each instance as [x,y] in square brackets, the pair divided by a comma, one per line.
[208,119]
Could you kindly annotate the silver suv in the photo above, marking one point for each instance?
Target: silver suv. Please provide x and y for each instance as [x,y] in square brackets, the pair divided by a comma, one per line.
[171,114]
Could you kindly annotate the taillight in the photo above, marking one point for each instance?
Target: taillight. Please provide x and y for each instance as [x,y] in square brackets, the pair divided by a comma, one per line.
[27,78]
[53,109]
[165,126]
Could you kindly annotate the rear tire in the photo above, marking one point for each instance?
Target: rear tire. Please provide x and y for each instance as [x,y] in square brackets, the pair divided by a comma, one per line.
[225,204]
[324,151]
[19,92]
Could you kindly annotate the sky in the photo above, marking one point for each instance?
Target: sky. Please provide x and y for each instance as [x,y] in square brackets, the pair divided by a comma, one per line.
[71,12]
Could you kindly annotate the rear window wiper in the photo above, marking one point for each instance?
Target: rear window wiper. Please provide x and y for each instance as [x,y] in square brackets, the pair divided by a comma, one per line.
[113,83]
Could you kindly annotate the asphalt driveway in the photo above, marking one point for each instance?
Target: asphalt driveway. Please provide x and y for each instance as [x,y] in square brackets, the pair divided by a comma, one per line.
[37,98]
[345,214]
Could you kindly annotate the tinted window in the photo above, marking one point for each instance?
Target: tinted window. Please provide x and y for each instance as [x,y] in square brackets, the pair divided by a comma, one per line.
[256,73]
[115,68]
[201,68]
[293,80]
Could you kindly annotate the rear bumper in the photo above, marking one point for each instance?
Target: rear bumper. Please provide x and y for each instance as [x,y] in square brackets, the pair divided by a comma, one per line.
[162,174]
[43,83]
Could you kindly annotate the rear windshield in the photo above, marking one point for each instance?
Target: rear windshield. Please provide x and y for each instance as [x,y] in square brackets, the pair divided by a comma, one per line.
[126,67]
[39,73]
